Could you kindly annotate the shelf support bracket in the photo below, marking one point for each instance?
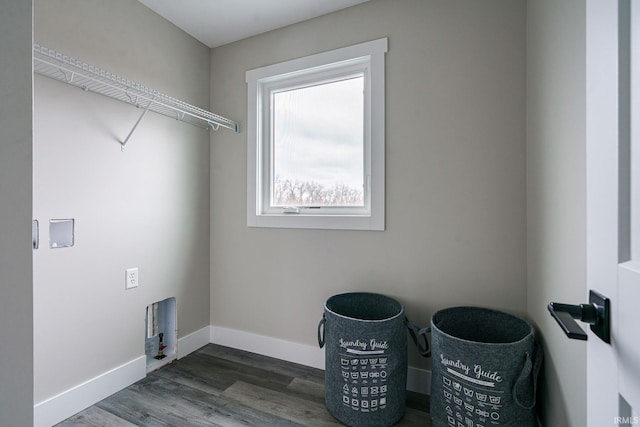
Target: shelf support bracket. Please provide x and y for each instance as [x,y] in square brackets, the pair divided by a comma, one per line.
[68,77]
[124,143]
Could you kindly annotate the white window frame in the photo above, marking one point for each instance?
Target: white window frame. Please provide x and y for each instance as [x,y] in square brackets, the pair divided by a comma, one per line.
[366,58]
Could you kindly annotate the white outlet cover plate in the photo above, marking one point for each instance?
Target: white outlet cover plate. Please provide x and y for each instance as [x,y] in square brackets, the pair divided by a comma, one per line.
[131,278]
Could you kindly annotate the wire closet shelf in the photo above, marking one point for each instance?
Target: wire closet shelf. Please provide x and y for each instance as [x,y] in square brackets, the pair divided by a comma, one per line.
[55,65]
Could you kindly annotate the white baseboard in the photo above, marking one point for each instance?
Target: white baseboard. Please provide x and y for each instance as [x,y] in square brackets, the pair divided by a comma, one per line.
[418,380]
[267,346]
[195,340]
[62,406]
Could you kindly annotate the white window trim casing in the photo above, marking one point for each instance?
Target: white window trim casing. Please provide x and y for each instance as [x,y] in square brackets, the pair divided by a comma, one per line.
[368,57]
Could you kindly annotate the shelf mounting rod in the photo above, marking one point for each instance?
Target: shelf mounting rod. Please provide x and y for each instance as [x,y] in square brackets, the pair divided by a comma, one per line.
[124,143]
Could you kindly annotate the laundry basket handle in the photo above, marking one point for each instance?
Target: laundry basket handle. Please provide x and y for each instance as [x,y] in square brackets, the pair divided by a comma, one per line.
[415,332]
[321,331]
[526,384]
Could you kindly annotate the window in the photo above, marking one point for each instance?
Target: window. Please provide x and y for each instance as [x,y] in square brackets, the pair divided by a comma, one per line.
[315,155]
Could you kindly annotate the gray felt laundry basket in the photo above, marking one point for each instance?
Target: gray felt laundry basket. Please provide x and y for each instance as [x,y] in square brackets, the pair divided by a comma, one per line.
[484,369]
[366,358]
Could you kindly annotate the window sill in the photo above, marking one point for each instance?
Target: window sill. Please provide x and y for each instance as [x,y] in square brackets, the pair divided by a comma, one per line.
[322,222]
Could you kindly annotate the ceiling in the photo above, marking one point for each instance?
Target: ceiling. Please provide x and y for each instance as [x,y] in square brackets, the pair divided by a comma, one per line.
[218,22]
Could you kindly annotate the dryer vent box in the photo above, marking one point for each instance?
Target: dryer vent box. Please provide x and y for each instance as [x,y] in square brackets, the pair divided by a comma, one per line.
[61,233]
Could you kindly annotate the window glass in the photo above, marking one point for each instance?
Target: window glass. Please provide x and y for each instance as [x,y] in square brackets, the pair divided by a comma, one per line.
[317,145]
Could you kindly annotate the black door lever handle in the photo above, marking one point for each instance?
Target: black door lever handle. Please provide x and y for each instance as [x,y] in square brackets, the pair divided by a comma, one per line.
[596,313]
[564,315]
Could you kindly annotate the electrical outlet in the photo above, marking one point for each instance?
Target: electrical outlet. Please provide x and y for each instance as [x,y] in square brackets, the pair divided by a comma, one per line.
[131,278]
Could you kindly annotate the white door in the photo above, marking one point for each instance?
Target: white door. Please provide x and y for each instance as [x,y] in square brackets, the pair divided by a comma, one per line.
[613,207]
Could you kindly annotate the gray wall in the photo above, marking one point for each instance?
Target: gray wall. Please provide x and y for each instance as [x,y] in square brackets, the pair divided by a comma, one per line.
[147,207]
[16,278]
[556,192]
[455,159]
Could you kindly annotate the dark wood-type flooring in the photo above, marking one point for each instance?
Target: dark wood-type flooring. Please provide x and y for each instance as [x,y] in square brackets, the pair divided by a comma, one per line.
[220,386]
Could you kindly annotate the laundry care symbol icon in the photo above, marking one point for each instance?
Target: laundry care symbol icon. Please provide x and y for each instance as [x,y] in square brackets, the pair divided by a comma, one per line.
[482,413]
